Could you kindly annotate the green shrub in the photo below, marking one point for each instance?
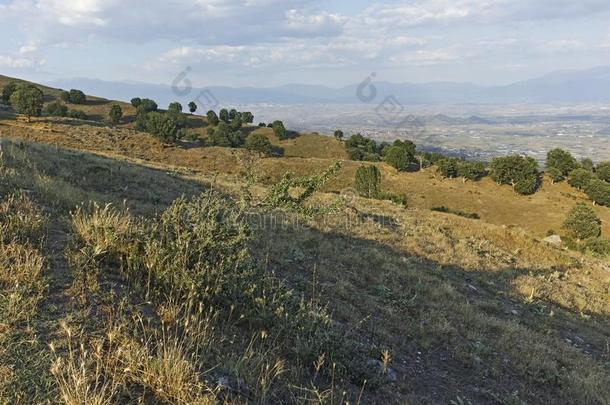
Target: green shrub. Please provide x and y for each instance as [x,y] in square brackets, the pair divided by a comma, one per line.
[398,157]
[136,101]
[582,222]
[598,191]
[597,247]
[519,171]
[602,171]
[258,143]
[7,92]
[448,167]
[163,126]
[56,109]
[555,174]
[77,97]
[77,114]
[561,163]
[27,100]
[368,181]
[471,170]
[580,178]
[115,114]
[175,107]
[279,130]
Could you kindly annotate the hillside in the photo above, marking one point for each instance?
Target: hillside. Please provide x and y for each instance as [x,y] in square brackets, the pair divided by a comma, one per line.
[222,298]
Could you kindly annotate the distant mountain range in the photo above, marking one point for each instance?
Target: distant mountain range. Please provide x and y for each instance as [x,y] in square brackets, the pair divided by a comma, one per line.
[577,86]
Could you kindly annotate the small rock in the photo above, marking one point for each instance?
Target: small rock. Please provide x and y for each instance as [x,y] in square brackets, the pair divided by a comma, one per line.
[514,312]
[554,240]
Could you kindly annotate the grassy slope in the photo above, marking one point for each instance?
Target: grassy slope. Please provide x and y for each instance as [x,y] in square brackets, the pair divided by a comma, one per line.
[467,310]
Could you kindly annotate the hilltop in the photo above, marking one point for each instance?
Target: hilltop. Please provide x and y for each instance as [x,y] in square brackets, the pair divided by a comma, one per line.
[370,302]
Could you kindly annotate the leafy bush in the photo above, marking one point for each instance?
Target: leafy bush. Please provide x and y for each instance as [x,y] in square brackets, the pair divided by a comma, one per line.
[555,174]
[77,114]
[115,114]
[603,171]
[598,191]
[597,247]
[147,105]
[368,180]
[561,163]
[258,143]
[136,101]
[56,109]
[76,97]
[582,222]
[398,157]
[163,126]
[279,130]
[338,134]
[175,107]
[212,118]
[7,92]
[580,178]
[448,167]
[27,100]
[519,171]
[471,170]
[192,107]
[359,147]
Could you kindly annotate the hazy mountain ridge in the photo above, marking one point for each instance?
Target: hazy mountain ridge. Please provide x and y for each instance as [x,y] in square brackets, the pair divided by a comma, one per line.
[580,86]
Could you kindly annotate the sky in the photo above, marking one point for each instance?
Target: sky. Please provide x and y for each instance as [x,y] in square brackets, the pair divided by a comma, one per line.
[326,42]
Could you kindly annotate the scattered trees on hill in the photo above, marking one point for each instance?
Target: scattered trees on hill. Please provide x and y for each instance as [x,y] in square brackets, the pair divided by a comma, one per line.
[582,222]
[225,135]
[598,191]
[27,100]
[73,96]
[359,147]
[338,134]
[136,101]
[580,178]
[115,114]
[368,181]
[452,167]
[258,143]
[8,91]
[192,107]
[519,171]
[147,105]
[587,164]
[559,164]
[398,157]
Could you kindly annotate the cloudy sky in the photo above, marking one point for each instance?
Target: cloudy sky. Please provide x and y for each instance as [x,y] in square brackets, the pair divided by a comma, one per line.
[271,42]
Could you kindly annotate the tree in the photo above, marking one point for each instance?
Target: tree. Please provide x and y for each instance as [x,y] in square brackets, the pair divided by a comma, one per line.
[338,134]
[163,126]
[27,100]
[471,170]
[603,171]
[519,171]
[562,161]
[212,118]
[279,130]
[359,147]
[224,115]
[8,91]
[582,222]
[368,180]
[397,157]
[232,114]
[77,97]
[136,101]
[115,114]
[555,174]
[65,96]
[192,107]
[56,109]
[147,105]
[258,143]
[247,117]
[175,107]
[587,164]
[580,178]
[599,192]
[448,167]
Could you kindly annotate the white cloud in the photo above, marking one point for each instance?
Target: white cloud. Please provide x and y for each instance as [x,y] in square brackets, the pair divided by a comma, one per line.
[12,62]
